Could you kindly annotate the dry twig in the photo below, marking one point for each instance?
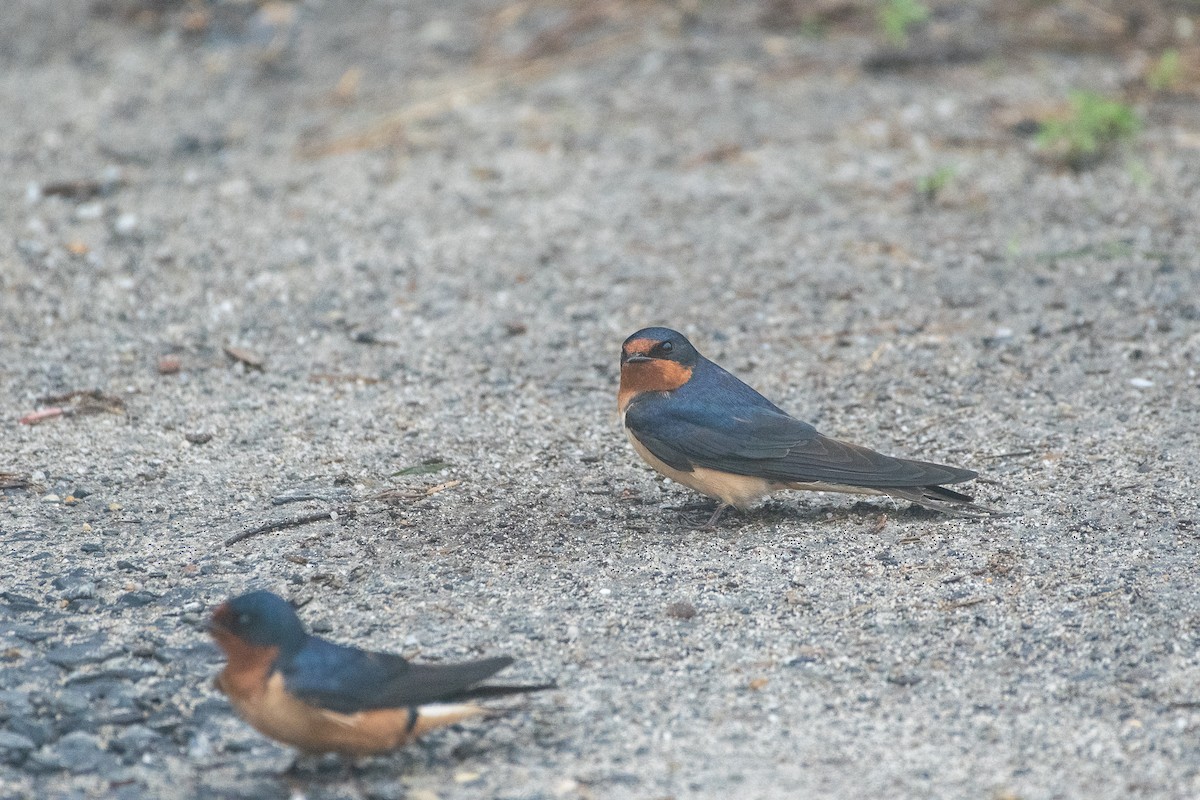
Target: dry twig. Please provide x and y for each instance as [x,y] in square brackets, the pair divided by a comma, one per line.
[282,524]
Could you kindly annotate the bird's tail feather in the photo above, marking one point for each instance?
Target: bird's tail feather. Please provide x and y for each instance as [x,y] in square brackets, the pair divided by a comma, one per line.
[480,692]
[947,501]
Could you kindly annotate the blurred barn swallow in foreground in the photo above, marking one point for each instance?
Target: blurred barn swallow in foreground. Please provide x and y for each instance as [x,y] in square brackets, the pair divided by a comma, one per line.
[702,427]
[321,697]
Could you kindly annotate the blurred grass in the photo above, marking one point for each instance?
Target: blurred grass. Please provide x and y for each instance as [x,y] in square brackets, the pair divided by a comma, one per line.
[1061,25]
[1094,126]
[897,16]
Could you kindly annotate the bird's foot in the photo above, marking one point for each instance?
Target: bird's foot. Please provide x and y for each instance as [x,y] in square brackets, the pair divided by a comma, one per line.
[716,516]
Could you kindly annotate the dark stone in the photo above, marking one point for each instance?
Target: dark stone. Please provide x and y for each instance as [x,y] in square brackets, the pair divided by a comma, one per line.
[164,721]
[212,707]
[90,651]
[14,747]
[128,789]
[76,586]
[886,558]
[14,704]
[121,716]
[246,744]
[77,752]
[137,599]
[242,788]
[119,675]
[31,672]
[64,711]
[37,731]
[904,679]
[19,602]
[136,740]
[681,610]
[30,634]
[146,650]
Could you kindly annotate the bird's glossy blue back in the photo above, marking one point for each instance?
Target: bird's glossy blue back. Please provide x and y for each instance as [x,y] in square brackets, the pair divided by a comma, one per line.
[718,393]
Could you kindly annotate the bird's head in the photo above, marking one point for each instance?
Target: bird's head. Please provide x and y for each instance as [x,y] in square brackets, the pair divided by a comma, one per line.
[655,360]
[259,619]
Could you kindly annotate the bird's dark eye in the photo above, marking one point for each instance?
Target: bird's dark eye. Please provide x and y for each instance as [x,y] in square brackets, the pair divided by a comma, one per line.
[243,619]
[666,347]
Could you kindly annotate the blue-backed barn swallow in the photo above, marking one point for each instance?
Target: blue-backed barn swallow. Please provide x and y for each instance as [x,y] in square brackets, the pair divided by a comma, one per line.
[702,427]
[321,697]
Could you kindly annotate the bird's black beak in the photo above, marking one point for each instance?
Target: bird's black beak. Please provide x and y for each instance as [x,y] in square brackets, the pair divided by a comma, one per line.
[634,358]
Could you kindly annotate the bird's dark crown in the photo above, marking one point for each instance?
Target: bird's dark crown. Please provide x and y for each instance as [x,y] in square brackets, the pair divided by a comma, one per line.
[261,618]
[658,344]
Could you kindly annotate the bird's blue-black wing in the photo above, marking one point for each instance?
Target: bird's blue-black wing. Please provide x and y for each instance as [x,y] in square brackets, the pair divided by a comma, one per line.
[346,679]
[732,432]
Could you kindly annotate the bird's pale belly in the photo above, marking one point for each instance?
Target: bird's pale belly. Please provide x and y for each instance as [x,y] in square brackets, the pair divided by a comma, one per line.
[277,714]
[741,491]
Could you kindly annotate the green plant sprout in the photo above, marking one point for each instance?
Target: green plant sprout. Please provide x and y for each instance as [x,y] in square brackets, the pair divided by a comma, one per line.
[1095,125]
[931,185]
[897,16]
[1167,72]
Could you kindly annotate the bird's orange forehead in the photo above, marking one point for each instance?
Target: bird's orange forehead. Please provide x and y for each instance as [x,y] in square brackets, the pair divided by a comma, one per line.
[639,346]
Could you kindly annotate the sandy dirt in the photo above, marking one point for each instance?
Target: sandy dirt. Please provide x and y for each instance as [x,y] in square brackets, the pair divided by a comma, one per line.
[424,230]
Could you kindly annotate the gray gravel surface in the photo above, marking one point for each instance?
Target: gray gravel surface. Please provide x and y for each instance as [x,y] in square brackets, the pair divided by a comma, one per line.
[453,294]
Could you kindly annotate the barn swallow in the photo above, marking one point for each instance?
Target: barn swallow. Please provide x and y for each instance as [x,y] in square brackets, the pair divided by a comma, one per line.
[321,697]
[702,427]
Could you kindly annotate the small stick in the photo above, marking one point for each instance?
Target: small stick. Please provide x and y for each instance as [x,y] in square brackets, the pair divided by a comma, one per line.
[1013,454]
[33,418]
[484,82]
[281,524]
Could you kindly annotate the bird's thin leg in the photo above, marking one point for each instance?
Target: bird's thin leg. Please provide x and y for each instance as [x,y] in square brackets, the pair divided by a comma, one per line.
[716,515]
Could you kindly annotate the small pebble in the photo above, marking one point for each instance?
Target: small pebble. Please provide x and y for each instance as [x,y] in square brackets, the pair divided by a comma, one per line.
[200,747]
[89,211]
[681,610]
[126,224]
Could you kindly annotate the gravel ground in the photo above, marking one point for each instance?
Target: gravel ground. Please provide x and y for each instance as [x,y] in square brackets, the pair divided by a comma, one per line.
[438,308]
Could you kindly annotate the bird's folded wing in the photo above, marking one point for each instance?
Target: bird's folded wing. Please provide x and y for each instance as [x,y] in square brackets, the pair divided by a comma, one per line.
[767,443]
[346,679]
